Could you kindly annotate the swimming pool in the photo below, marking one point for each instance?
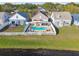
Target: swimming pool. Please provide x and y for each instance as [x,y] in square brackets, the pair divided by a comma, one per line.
[39,28]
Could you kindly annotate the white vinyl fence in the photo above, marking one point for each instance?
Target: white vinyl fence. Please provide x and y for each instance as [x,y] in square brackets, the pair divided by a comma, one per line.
[27,33]
[26,27]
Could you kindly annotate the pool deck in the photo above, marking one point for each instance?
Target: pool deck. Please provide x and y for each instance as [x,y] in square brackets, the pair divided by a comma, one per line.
[43,28]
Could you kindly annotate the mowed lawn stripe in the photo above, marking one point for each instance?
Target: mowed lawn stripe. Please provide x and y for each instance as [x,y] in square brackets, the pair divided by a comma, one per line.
[68,38]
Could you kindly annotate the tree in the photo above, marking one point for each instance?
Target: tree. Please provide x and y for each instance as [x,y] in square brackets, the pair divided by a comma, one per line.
[30,6]
[8,7]
[53,7]
[59,7]
[1,8]
[71,8]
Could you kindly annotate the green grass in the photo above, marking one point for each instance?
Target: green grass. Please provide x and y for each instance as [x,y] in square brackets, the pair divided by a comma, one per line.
[67,39]
[15,29]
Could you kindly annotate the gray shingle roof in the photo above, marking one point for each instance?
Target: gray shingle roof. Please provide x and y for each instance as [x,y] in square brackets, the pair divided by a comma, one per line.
[43,16]
[61,15]
[2,14]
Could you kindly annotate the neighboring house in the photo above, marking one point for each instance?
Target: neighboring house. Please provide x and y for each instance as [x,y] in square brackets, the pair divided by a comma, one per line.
[3,17]
[19,18]
[75,19]
[41,9]
[40,17]
[61,19]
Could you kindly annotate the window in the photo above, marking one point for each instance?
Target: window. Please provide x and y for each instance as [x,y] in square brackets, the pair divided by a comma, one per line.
[44,24]
[66,23]
[40,17]
[57,23]
[16,16]
[58,16]
[13,22]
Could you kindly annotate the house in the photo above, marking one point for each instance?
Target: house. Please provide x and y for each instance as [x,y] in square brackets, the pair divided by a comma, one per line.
[75,19]
[40,17]
[3,17]
[61,19]
[19,18]
[40,25]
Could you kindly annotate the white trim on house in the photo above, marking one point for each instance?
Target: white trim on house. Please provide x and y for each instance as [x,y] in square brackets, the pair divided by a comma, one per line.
[76,23]
[17,18]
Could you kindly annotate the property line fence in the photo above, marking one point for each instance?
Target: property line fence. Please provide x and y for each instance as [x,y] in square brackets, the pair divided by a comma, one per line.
[26,27]
[27,33]
[2,26]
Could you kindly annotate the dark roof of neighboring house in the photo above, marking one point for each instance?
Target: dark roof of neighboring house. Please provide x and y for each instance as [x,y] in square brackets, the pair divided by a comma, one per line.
[61,15]
[75,17]
[23,14]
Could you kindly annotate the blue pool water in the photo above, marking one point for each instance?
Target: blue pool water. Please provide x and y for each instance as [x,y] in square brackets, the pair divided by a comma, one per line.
[39,28]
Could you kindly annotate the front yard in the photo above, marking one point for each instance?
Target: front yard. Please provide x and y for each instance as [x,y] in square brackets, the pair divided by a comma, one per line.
[67,39]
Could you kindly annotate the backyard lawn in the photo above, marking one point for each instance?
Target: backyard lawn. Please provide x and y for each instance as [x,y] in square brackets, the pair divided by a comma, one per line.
[14,29]
[67,39]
